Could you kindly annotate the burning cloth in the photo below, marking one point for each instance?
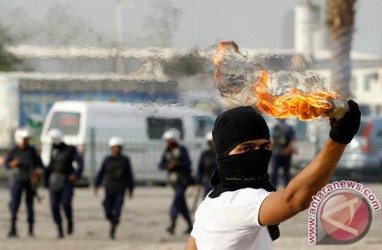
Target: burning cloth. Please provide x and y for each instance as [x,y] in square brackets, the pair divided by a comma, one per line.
[280,94]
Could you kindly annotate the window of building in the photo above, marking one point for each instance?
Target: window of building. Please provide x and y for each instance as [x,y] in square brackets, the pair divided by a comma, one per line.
[353,83]
[366,84]
[369,80]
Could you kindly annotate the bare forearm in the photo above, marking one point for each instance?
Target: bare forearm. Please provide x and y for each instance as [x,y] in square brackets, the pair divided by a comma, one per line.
[191,244]
[309,181]
[283,204]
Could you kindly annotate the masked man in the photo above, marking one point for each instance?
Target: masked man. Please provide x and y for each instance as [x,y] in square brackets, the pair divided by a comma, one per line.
[243,210]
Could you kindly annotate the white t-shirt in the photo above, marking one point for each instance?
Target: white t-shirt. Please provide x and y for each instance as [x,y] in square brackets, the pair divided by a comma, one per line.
[231,221]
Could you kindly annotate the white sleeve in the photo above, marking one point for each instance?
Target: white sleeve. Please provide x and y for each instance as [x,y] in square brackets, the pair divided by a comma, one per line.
[195,227]
[194,232]
[254,199]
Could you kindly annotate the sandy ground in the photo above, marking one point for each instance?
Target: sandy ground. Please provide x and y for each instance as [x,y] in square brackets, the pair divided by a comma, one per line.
[142,227]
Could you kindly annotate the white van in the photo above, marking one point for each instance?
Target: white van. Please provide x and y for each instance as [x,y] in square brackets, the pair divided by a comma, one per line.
[89,125]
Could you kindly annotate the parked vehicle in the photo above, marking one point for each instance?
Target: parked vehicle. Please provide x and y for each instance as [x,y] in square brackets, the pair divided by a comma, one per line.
[25,98]
[89,125]
[362,159]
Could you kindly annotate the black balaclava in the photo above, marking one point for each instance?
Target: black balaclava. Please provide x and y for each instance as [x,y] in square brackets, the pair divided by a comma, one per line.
[246,170]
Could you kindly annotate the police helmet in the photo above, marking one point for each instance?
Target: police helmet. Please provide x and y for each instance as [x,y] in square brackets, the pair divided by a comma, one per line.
[172,134]
[208,136]
[55,135]
[21,134]
[116,141]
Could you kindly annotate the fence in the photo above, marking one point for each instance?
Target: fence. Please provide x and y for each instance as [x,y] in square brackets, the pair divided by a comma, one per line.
[144,154]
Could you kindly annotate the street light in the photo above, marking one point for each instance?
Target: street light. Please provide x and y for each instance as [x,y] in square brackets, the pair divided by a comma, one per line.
[118,25]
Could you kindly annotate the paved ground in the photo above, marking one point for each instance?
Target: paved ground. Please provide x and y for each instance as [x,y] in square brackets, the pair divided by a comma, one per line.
[143,223]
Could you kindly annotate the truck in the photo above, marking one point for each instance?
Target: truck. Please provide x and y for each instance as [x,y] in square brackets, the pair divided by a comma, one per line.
[89,126]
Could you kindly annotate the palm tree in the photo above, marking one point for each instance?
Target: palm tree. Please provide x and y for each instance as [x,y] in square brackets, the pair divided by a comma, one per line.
[340,21]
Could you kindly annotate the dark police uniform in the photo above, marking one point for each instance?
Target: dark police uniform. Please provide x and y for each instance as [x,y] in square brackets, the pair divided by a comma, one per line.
[180,178]
[21,181]
[117,175]
[61,189]
[282,136]
[207,164]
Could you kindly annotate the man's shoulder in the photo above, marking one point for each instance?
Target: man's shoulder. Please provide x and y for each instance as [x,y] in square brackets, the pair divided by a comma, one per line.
[120,158]
[107,158]
[68,147]
[125,157]
[31,147]
[183,149]
[291,129]
[242,196]
[251,192]
[13,150]
[207,152]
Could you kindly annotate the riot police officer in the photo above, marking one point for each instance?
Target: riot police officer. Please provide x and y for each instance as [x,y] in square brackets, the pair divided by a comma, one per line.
[61,176]
[176,161]
[117,175]
[206,166]
[26,166]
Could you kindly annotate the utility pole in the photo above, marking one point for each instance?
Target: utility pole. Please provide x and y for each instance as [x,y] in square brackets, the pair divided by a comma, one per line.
[120,5]
[120,67]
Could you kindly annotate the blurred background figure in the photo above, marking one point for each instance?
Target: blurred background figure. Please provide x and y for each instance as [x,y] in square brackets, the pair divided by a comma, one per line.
[61,176]
[117,175]
[176,161]
[206,166]
[283,140]
[26,168]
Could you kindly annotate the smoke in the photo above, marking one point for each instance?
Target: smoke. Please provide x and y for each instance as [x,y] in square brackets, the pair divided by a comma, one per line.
[73,30]
[161,24]
[15,25]
[62,26]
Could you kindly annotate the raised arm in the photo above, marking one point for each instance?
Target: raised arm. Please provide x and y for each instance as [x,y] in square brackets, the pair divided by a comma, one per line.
[283,204]
[191,244]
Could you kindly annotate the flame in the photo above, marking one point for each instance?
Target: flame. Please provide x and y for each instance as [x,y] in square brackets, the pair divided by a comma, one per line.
[295,103]
[220,53]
